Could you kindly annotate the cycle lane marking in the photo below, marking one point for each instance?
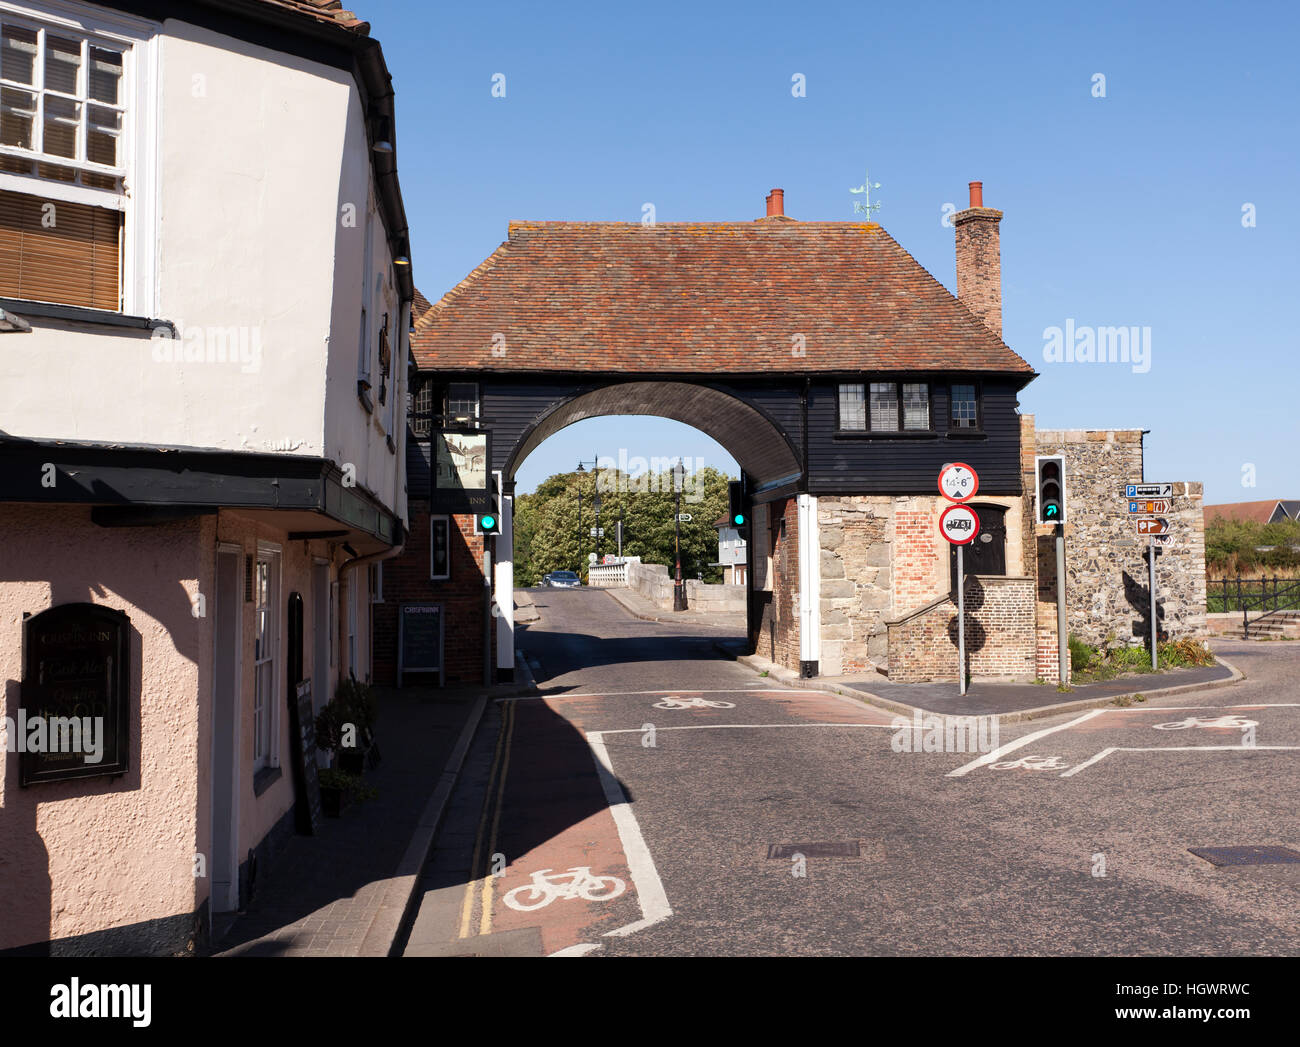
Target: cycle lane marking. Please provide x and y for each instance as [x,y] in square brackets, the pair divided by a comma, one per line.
[1098,757]
[1020,743]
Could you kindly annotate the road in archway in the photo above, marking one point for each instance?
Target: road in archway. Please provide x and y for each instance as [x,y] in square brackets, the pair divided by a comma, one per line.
[1015,855]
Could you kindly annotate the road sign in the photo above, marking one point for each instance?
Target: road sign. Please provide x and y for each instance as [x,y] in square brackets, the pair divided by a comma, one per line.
[958,481]
[1149,491]
[1151,506]
[598,532]
[959,524]
[684,517]
[1152,525]
[1163,539]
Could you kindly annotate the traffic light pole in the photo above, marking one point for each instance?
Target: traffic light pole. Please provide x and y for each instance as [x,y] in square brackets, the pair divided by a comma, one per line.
[1062,641]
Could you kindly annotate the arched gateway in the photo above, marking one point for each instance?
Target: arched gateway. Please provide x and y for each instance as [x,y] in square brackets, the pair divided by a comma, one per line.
[838,372]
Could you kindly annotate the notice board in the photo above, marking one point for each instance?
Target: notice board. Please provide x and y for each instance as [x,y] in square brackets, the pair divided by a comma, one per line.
[420,631]
[306,772]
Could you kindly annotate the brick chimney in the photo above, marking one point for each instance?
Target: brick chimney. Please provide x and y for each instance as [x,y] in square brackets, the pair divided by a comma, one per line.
[776,203]
[979,259]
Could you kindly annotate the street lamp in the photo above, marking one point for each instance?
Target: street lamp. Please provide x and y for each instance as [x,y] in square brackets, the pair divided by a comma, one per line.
[679,587]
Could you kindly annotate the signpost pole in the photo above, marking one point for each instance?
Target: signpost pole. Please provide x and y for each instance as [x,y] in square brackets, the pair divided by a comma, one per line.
[1062,641]
[961,620]
[1151,555]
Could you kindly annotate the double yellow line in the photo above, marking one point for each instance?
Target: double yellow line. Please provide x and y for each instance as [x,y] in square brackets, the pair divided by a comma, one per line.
[497,778]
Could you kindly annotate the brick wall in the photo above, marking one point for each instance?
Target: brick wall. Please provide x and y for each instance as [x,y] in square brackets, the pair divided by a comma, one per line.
[778,623]
[1000,634]
[406,578]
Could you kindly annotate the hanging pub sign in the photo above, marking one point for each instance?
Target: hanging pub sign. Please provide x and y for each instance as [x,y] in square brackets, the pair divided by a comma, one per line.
[460,470]
[72,720]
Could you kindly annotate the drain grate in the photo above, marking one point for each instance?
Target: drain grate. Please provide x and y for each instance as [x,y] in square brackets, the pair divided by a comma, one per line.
[842,849]
[1246,855]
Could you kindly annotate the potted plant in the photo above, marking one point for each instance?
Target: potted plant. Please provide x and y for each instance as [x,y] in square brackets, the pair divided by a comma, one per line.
[345,726]
[339,788]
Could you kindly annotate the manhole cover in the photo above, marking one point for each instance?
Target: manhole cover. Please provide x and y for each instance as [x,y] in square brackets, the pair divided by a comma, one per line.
[1246,855]
[844,849]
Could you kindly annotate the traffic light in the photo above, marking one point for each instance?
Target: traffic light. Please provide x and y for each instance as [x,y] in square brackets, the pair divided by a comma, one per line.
[489,521]
[738,515]
[1050,472]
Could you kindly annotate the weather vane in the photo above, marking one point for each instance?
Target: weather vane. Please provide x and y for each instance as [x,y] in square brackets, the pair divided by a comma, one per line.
[865,206]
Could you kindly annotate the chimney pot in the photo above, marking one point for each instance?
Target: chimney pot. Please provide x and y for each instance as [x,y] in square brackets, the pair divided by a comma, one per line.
[979,260]
[776,203]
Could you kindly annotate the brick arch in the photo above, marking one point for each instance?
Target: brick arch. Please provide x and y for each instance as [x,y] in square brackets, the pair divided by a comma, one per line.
[758,443]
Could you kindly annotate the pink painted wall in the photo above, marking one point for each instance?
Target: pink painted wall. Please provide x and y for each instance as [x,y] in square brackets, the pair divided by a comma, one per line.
[78,857]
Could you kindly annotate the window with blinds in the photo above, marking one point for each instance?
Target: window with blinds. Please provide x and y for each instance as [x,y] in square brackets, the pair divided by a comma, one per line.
[59,251]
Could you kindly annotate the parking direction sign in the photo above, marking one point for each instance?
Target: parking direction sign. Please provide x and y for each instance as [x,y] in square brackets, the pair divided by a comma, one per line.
[1148,490]
[1152,525]
[1151,506]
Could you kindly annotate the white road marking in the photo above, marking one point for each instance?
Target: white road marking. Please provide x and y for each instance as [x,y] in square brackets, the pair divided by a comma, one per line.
[649,888]
[578,950]
[628,694]
[746,726]
[1020,743]
[1181,749]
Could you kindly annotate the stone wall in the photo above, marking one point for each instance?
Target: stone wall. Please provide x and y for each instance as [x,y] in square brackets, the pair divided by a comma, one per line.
[655,583]
[1000,634]
[1107,578]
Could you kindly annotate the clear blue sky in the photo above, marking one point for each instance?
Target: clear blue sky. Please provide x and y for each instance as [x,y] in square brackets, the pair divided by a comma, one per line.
[1119,211]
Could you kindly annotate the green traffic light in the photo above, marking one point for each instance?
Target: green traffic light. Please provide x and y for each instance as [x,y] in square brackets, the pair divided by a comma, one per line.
[1053,510]
[738,519]
[489,522]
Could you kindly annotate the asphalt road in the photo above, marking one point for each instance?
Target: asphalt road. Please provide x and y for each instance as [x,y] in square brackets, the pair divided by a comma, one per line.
[634,807]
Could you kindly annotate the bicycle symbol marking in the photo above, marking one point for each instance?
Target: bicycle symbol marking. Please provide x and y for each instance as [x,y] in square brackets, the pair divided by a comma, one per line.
[675,701]
[578,882]
[1032,763]
[1238,722]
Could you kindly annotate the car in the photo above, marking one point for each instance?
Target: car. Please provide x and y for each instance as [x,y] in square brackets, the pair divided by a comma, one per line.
[562,580]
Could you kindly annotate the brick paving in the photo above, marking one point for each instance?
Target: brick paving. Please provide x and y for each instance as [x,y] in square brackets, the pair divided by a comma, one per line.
[323,893]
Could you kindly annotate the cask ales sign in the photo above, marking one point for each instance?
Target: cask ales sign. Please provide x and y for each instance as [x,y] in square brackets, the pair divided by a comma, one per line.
[73,718]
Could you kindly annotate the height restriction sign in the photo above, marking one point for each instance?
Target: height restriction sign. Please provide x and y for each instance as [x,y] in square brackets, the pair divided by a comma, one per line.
[958,482]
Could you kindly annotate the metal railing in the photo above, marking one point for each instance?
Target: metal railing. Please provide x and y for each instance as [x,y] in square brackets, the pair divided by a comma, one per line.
[1269,595]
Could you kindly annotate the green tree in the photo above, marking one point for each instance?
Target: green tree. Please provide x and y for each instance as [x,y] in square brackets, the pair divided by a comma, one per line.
[548,536]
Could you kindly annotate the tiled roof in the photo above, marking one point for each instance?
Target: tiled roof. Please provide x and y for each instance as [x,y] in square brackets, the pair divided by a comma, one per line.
[1252,512]
[330,11]
[705,297]
[419,306]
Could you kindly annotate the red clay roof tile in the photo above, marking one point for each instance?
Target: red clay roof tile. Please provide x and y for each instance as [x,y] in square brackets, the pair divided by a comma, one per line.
[705,297]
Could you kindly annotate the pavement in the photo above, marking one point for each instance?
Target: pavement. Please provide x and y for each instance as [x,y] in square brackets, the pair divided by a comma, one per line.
[347,890]
[656,798]
[1011,702]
